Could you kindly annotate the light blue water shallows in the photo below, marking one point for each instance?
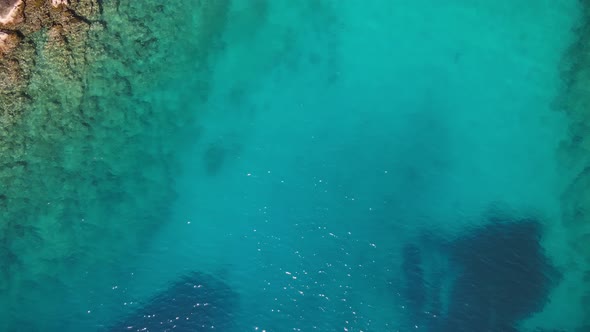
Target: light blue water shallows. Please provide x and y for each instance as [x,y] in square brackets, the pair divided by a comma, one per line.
[338,132]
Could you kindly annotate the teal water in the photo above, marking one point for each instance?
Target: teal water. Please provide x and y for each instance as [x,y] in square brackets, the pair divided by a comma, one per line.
[324,160]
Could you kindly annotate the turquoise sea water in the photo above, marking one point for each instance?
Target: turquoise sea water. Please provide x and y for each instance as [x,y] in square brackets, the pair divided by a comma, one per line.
[314,165]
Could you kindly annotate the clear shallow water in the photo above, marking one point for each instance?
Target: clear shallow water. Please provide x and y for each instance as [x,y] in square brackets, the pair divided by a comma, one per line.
[336,172]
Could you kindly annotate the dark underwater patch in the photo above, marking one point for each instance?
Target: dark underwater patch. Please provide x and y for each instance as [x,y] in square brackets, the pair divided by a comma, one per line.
[503,277]
[214,158]
[415,291]
[196,302]
[218,153]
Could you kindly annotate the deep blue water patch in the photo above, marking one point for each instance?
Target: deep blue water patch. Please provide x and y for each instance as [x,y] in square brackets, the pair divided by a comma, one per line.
[196,302]
[502,277]
[415,290]
[505,277]
[214,157]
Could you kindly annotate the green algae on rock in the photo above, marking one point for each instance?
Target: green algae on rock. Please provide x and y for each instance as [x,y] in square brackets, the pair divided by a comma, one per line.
[574,153]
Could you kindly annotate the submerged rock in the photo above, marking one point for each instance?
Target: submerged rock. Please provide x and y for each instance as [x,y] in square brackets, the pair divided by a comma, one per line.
[415,290]
[196,302]
[502,277]
[573,100]
[505,277]
[88,154]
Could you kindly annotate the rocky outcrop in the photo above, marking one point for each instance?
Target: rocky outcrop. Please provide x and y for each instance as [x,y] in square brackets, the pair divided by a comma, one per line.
[58,28]
[15,63]
[11,12]
[8,42]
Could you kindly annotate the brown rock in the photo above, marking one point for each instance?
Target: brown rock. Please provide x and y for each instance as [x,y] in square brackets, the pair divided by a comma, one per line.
[8,42]
[11,13]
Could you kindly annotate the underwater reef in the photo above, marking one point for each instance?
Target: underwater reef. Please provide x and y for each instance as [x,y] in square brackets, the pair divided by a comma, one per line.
[574,155]
[87,140]
[195,302]
[501,276]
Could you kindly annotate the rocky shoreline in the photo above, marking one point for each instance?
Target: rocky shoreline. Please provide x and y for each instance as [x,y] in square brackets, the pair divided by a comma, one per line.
[9,11]
[88,139]
[58,29]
